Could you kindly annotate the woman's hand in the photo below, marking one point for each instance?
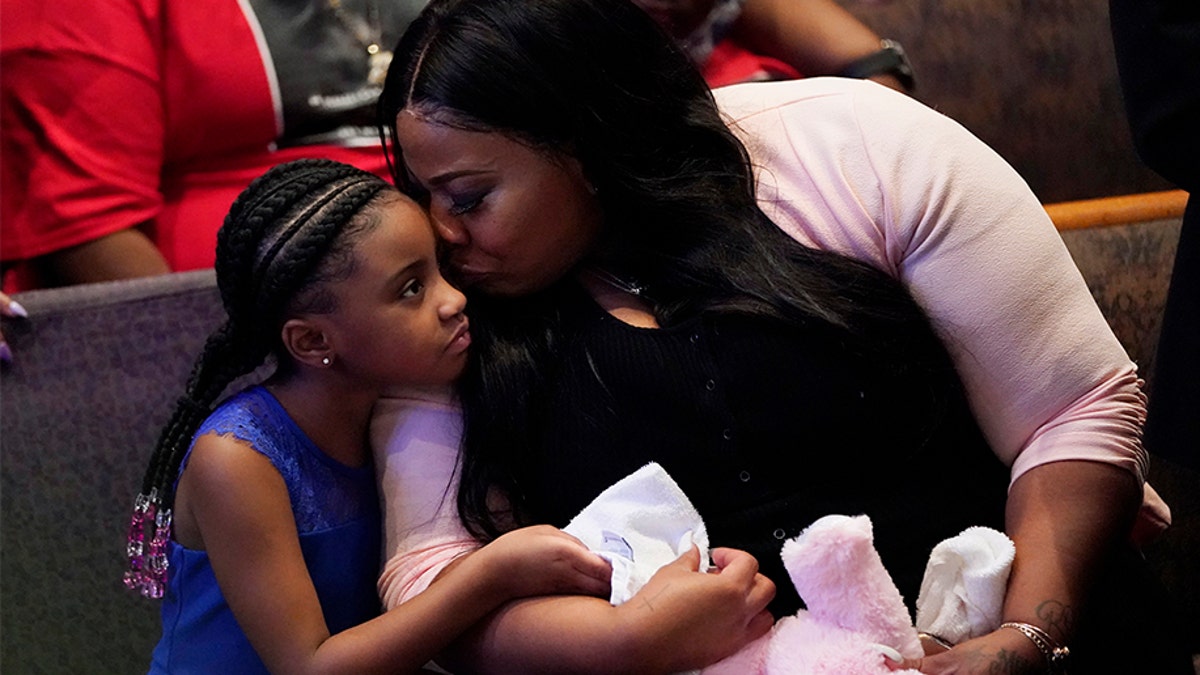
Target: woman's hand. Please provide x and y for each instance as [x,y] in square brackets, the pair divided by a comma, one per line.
[693,619]
[543,560]
[1002,651]
[9,308]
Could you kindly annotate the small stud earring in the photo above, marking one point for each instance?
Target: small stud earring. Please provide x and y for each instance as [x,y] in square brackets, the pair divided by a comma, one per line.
[326,361]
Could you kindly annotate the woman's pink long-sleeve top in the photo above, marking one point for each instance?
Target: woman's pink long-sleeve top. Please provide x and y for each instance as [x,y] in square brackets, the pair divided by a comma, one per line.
[856,168]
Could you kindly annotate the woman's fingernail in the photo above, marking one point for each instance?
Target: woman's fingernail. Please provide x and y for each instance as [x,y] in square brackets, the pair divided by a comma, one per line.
[5,353]
[17,310]
[889,653]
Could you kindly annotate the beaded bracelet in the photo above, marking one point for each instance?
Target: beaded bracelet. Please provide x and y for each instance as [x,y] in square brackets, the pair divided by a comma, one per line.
[1056,655]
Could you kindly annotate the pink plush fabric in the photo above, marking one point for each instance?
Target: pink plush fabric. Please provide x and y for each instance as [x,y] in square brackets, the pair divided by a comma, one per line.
[852,606]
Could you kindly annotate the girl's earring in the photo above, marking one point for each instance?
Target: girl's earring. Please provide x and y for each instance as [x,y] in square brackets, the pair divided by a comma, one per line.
[327,361]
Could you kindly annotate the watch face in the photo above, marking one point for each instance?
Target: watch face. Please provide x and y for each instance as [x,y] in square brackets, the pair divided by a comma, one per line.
[328,58]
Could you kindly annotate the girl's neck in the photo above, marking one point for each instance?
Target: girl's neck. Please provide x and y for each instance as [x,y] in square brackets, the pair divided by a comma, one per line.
[333,417]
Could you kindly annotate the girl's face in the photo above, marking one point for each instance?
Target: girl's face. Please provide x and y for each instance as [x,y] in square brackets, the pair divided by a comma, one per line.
[398,322]
[514,219]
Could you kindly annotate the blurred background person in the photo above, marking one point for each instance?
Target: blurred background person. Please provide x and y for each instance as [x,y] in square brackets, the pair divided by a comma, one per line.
[129,126]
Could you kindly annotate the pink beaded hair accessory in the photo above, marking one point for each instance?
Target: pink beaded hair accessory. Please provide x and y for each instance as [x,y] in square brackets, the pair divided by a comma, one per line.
[147,572]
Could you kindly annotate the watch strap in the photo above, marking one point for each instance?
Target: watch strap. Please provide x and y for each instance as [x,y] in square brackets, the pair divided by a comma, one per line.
[889,59]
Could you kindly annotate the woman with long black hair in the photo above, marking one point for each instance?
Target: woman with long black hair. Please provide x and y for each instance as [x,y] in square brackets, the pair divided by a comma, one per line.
[799,298]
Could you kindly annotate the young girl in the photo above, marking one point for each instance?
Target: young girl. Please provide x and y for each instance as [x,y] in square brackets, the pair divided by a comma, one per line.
[258,521]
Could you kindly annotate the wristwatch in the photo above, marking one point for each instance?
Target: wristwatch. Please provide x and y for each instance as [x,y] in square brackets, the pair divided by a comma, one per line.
[889,60]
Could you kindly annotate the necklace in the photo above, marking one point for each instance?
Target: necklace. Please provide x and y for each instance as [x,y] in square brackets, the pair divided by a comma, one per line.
[630,286]
[369,34]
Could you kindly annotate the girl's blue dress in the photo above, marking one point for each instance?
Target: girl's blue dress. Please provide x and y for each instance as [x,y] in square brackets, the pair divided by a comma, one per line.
[337,516]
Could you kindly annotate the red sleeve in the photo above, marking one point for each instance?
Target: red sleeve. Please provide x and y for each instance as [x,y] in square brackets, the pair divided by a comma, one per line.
[731,63]
[82,114]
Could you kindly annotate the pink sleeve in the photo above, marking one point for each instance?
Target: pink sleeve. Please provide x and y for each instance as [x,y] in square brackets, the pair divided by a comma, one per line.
[857,168]
[415,441]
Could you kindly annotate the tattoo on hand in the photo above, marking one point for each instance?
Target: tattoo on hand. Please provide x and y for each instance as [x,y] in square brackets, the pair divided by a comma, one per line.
[1004,662]
[1009,663]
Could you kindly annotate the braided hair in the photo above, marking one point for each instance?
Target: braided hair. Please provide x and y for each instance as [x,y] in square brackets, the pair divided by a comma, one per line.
[288,234]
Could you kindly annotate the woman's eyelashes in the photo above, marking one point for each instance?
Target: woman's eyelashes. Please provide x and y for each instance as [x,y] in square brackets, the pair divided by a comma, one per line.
[466,203]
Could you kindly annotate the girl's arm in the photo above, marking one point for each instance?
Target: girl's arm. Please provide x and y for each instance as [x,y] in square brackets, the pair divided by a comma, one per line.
[682,619]
[240,509]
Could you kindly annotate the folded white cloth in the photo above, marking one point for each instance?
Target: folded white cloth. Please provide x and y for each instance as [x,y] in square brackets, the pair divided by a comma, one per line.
[639,524]
[962,593]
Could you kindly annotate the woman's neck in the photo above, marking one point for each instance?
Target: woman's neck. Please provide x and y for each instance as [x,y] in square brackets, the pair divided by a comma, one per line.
[335,418]
[619,297]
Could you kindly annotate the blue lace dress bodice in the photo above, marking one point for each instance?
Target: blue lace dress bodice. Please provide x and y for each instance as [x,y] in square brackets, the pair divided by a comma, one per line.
[337,517]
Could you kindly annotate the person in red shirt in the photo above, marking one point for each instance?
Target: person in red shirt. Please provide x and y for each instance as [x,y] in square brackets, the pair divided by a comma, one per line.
[128,127]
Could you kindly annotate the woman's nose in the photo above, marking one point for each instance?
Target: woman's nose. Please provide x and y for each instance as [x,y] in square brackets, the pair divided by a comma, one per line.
[450,231]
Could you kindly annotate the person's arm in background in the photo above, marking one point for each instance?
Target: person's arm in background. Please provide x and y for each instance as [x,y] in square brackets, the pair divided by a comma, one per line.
[82,148]
[816,37]
[915,194]
[124,254]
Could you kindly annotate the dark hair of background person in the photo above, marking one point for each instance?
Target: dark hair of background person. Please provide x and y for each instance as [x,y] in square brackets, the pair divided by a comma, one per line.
[289,235]
[613,91]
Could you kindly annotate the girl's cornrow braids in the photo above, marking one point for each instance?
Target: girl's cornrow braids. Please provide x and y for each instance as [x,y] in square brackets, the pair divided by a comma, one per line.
[273,240]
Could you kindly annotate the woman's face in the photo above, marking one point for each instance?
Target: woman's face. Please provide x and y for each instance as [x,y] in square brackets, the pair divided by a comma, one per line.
[514,219]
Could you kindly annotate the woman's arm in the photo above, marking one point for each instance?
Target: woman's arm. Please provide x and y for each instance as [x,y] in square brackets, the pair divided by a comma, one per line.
[1061,532]
[879,177]
[855,168]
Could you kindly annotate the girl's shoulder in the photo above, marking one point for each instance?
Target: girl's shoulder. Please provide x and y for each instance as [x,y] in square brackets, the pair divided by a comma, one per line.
[252,416]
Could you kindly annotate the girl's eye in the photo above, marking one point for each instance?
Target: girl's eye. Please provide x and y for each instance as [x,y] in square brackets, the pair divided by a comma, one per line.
[412,289]
[462,205]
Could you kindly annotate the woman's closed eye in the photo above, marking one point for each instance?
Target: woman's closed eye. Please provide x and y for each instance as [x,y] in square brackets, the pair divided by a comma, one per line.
[465,204]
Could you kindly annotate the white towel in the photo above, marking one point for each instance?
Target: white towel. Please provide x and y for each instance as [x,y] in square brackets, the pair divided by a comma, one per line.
[962,593]
[639,524]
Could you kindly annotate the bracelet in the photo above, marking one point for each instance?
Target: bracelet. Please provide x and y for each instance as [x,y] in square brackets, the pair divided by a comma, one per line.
[890,59]
[936,639]
[1056,655]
